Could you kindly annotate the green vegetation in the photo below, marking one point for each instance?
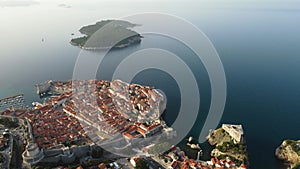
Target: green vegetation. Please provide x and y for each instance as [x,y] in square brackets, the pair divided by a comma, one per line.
[158,148]
[218,137]
[91,29]
[7,122]
[236,152]
[106,34]
[141,164]
[289,151]
[15,156]
[233,148]
[296,166]
[79,41]
[295,145]
[236,161]
[1,158]
[226,148]
[97,152]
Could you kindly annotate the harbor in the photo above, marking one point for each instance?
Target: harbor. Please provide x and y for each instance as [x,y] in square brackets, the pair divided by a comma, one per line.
[12,102]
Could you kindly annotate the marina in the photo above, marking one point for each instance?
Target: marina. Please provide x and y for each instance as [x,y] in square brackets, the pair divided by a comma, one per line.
[16,102]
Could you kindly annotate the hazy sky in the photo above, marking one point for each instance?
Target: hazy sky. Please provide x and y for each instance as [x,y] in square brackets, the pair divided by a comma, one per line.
[178,4]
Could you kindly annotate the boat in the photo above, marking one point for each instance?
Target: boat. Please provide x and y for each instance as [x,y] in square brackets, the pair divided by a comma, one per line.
[194,146]
[36,104]
[190,139]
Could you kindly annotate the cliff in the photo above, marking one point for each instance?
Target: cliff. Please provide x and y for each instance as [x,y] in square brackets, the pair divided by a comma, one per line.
[227,145]
[289,151]
[52,87]
[43,87]
[218,137]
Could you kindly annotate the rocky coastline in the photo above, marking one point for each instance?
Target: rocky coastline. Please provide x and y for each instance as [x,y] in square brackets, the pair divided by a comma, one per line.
[229,142]
[289,153]
[131,41]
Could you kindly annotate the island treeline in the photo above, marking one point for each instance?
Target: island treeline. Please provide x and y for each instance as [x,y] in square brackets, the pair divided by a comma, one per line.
[107,34]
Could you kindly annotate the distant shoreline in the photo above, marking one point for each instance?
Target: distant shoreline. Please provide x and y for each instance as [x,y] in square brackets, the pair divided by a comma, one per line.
[138,41]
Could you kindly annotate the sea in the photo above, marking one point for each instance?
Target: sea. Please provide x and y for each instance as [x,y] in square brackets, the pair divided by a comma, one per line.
[258,44]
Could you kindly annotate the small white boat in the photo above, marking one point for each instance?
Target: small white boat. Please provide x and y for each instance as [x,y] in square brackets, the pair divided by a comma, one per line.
[194,146]
[190,139]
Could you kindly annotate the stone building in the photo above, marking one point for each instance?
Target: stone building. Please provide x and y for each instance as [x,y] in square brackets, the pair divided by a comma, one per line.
[235,131]
[32,155]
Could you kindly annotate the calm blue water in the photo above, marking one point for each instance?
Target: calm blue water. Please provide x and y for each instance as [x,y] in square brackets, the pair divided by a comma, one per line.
[258,43]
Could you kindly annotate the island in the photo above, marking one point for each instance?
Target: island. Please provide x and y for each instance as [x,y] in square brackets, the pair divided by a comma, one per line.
[289,152]
[109,36]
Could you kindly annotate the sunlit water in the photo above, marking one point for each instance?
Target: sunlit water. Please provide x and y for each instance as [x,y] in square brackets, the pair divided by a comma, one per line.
[257,43]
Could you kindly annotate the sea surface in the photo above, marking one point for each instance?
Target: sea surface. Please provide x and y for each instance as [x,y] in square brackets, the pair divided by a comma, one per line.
[258,44]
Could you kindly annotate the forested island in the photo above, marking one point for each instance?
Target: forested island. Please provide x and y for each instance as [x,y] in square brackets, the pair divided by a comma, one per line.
[107,34]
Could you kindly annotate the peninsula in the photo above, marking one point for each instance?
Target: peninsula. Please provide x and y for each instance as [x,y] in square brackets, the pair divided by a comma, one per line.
[79,116]
[94,123]
[107,34]
[289,152]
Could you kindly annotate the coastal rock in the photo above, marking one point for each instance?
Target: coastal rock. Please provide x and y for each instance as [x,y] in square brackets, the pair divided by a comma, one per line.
[229,143]
[52,87]
[217,137]
[289,151]
[44,87]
